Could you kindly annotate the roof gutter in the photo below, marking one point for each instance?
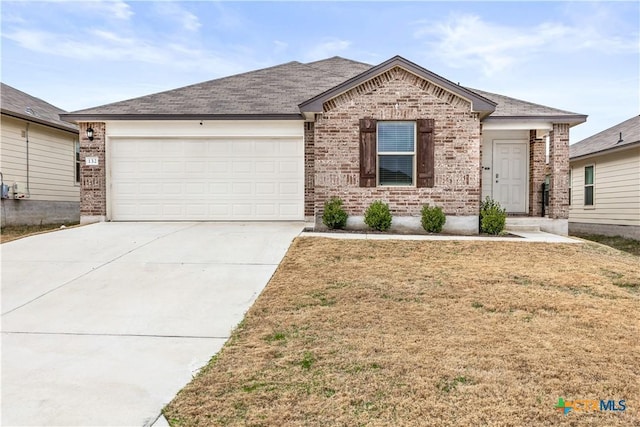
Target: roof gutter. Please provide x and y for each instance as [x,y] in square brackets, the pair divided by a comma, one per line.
[80,117]
[571,119]
[71,128]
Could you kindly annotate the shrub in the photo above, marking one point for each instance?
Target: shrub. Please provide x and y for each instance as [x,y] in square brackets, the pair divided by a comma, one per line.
[377,216]
[493,217]
[433,219]
[334,216]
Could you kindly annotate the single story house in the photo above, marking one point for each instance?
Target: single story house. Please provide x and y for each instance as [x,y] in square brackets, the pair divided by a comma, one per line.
[276,143]
[39,162]
[605,182]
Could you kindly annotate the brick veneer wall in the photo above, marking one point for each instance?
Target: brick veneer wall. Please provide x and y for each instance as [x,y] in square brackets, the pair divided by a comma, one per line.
[93,186]
[537,165]
[399,95]
[559,163]
[309,169]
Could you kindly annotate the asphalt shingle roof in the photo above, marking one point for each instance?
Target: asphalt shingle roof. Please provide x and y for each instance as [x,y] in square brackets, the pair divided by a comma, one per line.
[608,138]
[512,107]
[278,91]
[19,104]
[270,91]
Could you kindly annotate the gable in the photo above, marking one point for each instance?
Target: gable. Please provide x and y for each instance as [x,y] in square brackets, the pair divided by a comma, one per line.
[406,78]
[434,83]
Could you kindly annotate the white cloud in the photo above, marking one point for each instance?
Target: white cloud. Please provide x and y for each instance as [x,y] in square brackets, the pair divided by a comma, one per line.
[466,41]
[111,8]
[188,20]
[327,48]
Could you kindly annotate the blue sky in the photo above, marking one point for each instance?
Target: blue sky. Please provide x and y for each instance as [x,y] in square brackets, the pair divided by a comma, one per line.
[578,56]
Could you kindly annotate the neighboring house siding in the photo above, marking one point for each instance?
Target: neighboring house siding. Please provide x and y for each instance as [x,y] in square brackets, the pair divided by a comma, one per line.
[51,160]
[616,189]
[399,95]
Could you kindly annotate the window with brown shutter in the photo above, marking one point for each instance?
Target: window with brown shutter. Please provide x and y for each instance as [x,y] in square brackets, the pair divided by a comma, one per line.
[425,153]
[368,152]
[396,153]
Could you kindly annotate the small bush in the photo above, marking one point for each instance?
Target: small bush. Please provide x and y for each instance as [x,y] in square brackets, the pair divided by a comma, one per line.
[377,216]
[334,216]
[493,217]
[433,219]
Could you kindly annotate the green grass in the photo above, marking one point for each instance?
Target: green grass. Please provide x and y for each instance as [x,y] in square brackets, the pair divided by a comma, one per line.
[625,244]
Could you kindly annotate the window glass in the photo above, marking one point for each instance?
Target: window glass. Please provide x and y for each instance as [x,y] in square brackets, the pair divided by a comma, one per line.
[588,175]
[588,185]
[396,170]
[395,137]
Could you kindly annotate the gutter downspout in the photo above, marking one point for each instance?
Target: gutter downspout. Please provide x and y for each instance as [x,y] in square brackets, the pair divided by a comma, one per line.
[27,137]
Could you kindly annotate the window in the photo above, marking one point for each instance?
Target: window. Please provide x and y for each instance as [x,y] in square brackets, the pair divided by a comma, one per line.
[396,153]
[588,185]
[77,150]
[570,184]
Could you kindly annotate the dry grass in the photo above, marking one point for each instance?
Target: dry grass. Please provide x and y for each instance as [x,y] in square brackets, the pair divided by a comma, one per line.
[621,243]
[391,333]
[13,232]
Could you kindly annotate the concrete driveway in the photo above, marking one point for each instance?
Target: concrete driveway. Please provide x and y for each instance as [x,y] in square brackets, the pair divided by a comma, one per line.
[103,324]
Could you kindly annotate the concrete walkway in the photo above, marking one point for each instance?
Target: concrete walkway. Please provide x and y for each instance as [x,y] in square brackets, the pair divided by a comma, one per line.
[104,324]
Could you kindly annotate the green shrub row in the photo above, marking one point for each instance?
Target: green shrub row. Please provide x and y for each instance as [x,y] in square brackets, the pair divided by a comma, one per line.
[378,217]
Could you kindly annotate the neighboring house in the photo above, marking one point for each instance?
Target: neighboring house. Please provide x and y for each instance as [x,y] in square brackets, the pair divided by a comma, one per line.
[39,162]
[605,182]
[276,143]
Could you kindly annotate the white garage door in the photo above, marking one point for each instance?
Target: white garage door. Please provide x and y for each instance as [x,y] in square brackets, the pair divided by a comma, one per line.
[212,179]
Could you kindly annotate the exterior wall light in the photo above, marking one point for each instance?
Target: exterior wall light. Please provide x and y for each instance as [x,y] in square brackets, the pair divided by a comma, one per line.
[90,134]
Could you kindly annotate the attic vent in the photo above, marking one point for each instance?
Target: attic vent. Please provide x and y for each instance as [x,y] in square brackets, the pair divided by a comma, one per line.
[620,140]
[30,111]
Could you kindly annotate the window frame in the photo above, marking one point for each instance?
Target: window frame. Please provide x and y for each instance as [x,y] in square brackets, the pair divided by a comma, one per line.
[76,158]
[413,154]
[592,186]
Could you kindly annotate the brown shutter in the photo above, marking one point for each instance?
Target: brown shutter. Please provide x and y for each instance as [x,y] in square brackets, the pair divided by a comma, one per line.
[368,153]
[425,154]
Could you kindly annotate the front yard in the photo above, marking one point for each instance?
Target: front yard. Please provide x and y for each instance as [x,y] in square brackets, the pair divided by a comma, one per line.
[405,333]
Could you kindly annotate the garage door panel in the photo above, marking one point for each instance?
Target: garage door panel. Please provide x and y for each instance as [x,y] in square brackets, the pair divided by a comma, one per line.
[225,179]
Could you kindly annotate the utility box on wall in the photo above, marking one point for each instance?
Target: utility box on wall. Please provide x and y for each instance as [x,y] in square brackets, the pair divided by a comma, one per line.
[19,191]
[4,191]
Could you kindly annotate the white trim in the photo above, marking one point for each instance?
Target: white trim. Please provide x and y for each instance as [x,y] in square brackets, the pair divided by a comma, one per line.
[487,124]
[398,153]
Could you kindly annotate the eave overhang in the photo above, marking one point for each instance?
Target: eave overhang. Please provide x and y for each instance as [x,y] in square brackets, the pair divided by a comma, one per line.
[77,118]
[33,119]
[609,150]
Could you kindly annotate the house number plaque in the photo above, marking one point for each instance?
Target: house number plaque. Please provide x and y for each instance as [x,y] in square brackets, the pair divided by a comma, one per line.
[91,161]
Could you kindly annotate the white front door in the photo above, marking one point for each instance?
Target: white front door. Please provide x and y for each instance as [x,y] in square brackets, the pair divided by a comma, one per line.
[510,175]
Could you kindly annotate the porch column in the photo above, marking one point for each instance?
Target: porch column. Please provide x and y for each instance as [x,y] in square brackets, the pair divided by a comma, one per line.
[93,183]
[559,163]
[537,164]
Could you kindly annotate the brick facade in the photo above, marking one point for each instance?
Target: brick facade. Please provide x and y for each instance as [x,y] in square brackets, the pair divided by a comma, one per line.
[93,185]
[537,165]
[399,95]
[309,169]
[559,164]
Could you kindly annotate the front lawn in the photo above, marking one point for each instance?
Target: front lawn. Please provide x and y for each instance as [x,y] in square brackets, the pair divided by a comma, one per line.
[409,333]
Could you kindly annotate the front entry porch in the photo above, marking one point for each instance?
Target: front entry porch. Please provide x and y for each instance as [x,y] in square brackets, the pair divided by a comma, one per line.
[515,160]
